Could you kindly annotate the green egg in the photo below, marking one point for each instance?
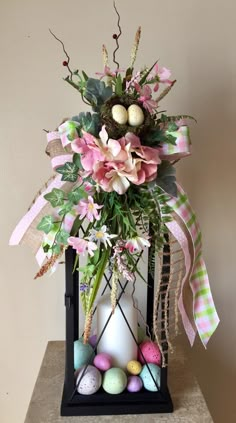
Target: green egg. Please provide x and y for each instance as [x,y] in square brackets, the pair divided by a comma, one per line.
[114,381]
[83,354]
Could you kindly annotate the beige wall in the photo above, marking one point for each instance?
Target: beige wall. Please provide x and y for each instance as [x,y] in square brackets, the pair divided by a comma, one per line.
[196,39]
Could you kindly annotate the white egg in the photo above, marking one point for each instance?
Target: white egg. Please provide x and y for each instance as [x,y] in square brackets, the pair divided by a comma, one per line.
[135,115]
[119,114]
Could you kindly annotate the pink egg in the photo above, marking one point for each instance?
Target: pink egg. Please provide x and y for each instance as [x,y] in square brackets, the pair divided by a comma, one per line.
[103,361]
[134,384]
[151,353]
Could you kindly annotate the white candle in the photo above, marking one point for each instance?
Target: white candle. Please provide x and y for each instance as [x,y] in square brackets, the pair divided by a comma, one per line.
[117,339]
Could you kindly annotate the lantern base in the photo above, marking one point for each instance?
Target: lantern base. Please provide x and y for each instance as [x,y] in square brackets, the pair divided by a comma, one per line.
[101,403]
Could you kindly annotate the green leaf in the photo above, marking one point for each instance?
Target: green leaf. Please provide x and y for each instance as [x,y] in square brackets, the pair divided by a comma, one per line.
[56,249]
[76,194]
[69,172]
[62,237]
[96,256]
[55,197]
[88,122]
[118,86]
[172,127]
[170,138]
[77,160]
[143,79]
[97,92]
[85,75]
[46,248]
[66,208]
[46,224]
[154,137]
[166,178]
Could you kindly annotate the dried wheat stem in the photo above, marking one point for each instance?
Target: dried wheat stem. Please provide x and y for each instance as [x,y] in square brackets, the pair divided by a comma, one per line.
[114,289]
[87,326]
[165,92]
[49,264]
[134,50]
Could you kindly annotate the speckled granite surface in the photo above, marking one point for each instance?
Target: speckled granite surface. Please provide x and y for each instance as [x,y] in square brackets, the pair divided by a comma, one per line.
[44,407]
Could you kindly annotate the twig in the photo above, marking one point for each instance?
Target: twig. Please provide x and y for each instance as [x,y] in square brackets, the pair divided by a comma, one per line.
[116,37]
[67,55]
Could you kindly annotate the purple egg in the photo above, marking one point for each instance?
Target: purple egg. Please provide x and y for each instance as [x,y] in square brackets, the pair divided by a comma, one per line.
[93,340]
[103,361]
[134,384]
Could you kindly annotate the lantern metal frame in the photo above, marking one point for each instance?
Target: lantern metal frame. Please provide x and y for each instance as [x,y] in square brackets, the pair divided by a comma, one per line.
[102,403]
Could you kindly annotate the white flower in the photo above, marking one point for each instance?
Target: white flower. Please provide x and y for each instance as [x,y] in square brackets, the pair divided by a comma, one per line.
[101,236]
[136,245]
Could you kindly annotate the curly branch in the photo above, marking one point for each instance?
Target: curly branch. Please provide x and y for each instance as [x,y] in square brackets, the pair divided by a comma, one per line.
[66,63]
[116,37]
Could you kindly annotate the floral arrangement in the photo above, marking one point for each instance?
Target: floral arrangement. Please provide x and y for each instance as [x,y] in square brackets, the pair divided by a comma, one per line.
[115,171]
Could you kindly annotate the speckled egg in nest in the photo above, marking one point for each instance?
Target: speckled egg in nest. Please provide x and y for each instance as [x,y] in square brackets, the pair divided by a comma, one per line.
[117,130]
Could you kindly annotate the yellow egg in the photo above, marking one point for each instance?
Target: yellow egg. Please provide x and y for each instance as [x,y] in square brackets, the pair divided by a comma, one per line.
[135,115]
[134,367]
[119,114]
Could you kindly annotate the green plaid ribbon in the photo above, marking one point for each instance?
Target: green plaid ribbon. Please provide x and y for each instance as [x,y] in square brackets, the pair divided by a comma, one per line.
[204,311]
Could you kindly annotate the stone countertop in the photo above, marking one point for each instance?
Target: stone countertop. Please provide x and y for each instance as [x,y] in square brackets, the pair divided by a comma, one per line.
[44,407]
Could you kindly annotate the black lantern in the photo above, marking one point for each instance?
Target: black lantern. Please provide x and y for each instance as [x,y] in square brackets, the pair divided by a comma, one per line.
[102,403]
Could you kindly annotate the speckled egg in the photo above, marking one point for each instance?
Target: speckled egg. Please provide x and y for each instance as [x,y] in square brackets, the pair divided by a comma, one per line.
[141,334]
[103,361]
[90,382]
[114,381]
[134,367]
[147,379]
[135,115]
[82,354]
[134,384]
[93,340]
[119,114]
[151,353]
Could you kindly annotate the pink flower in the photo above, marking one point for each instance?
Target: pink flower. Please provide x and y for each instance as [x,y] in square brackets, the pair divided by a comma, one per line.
[82,246]
[140,166]
[135,78]
[89,188]
[146,97]
[163,75]
[111,176]
[107,72]
[111,149]
[88,149]
[89,209]
[136,245]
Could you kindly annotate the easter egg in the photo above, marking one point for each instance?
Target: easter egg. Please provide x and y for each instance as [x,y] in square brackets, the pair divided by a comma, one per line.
[93,340]
[114,381]
[82,354]
[150,351]
[134,384]
[147,379]
[119,114]
[135,115]
[103,361]
[134,367]
[141,334]
[90,381]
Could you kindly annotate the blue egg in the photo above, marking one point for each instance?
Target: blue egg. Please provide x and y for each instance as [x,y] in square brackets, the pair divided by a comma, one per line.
[83,354]
[147,379]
